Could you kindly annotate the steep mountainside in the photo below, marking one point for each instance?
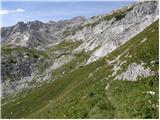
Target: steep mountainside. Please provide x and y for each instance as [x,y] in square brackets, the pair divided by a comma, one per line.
[104,67]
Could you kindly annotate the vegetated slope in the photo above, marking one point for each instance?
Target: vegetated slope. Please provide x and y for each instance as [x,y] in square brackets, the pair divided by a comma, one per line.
[99,89]
[64,41]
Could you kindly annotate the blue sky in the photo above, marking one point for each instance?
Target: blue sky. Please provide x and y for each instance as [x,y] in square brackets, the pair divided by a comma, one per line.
[14,11]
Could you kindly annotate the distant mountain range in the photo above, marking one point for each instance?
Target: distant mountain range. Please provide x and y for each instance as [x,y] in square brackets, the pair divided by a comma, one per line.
[36,33]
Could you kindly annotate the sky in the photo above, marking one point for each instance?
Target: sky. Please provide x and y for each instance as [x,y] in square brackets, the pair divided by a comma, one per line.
[13,11]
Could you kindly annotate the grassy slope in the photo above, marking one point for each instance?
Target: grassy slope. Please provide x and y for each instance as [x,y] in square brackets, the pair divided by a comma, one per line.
[81,92]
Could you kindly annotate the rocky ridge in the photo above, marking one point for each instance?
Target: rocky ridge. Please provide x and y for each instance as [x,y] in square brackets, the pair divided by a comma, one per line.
[115,29]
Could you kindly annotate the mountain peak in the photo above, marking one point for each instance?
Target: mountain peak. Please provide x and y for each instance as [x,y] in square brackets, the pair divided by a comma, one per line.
[79,19]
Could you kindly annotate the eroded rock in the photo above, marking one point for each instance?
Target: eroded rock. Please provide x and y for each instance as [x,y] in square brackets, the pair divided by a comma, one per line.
[134,71]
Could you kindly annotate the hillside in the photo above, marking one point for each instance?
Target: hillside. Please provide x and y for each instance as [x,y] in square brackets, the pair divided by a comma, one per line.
[106,67]
[89,92]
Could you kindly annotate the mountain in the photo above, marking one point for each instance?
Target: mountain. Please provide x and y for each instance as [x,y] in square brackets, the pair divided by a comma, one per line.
[36,33]
[102,67]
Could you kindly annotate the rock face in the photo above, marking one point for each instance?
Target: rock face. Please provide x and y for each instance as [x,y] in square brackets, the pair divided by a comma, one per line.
[98,36]
[19,67]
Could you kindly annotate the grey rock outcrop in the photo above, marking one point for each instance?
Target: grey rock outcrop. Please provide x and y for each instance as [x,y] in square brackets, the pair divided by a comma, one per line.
[133,72]
[19,67]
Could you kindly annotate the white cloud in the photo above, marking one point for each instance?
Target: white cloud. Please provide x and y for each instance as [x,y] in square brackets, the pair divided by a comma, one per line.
[20,10]
[4,12]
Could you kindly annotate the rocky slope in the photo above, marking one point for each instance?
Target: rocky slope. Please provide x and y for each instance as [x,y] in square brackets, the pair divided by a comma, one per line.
[108,32]
[103,67]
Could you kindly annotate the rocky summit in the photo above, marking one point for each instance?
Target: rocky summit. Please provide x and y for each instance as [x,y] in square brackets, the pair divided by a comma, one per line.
[102,67]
